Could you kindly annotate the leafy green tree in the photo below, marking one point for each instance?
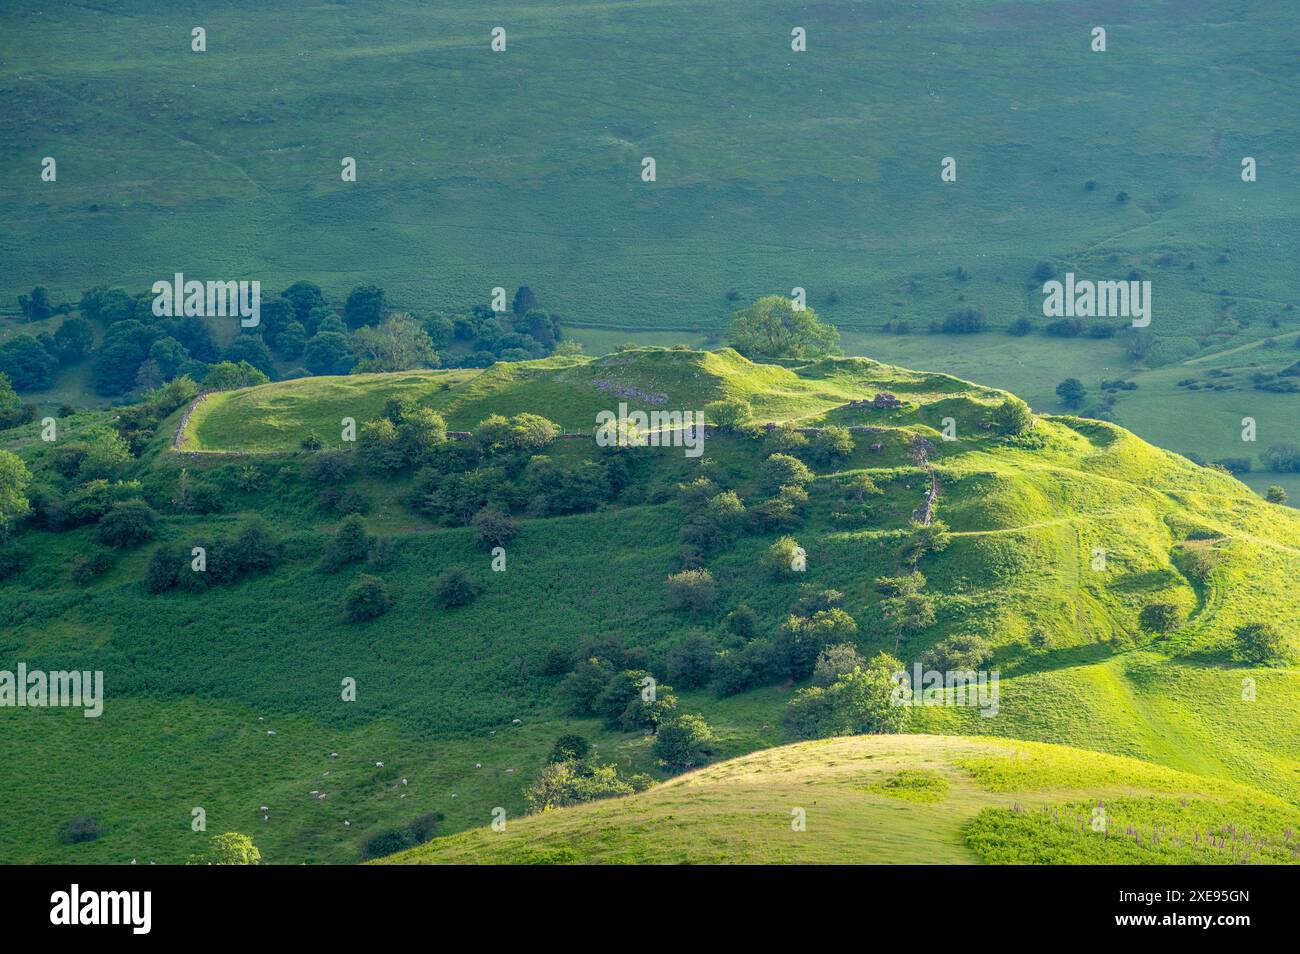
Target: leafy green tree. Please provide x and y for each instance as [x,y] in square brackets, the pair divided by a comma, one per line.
[128,524]
[561,784]
[836,661]
[351,543]
[455,588]
[773,328]
[494,527]
[231,848]
[579,689]
[1283,458]
[1260,643]
[782,470]
[729,413]
[366,598]
[306,298]
[227,376]
[781,558]
[292,341]
[962,652]
[683,742]
[36,306]
[524,301]
[860,702]
[1013,416]
[1072,392]
[329,352]
[830,446]
[250,349]
[692,590]
[1276,494]
[366,305]
[168,355]
[398,344]
[1162,617]
[570,748]
[27,364]
[15,478]
[74,339]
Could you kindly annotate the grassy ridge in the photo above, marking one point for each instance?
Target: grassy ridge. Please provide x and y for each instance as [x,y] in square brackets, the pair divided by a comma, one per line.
[912,799]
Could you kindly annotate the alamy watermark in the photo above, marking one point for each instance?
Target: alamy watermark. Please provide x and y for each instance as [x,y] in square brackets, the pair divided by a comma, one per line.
[179,298]
[39,689]
[966,688]
[1089,299]
[654,429]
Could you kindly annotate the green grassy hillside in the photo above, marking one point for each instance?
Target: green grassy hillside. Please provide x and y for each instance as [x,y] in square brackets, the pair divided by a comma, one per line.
[910,799]
[196,681]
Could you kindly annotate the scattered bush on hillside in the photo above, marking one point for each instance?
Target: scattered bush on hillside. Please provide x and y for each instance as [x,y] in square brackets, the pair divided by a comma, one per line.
[739,669]
[1276,494]
[1196,562]
[1162,617]
[556,661]
[829,447]
[579,689]
[933,538]
[455,588]
[128,524]
[350,544]
[80,829]
[802,640]
[224,560]
[575,781]
[693,591]
[964,321]
[785,511]
[857,703]
[388,841]
[683,742]
[959,653]
[14,558]
[836,661]
[1283,458]
[690,660]
[742,621]
[782,470]
[89,566]
[493,527]
[569,748]
[230,848]
[728,414]
[1072,392]
[1260,643]
[1013,416]
[366,598]
[784,558]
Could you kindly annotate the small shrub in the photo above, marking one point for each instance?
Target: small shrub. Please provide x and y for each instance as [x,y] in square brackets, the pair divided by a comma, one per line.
[455,588]
[366,598]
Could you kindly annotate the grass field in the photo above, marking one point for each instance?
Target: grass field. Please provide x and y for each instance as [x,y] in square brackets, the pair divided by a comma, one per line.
[774,169]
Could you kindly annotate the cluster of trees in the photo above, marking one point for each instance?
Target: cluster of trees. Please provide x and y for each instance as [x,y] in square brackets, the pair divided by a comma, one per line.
[603,679]
[502,470]
[849,697]
[299,330]
[82,481]
[221,560]
[573,776]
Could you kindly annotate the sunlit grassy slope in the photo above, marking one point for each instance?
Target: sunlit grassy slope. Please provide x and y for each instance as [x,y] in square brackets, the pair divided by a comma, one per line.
[911,799]
[196,682]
